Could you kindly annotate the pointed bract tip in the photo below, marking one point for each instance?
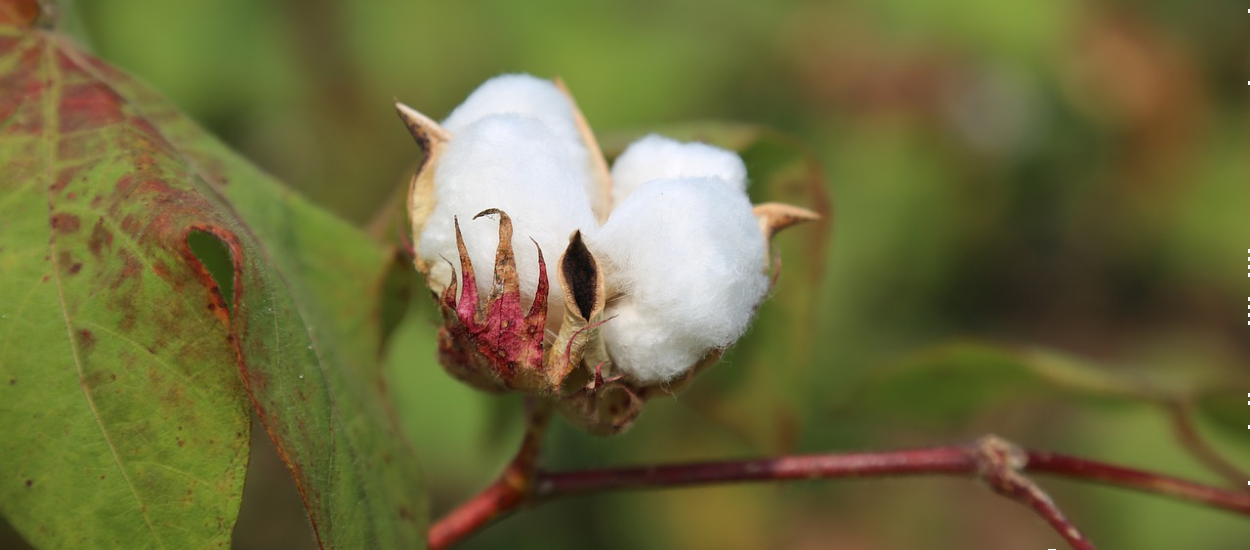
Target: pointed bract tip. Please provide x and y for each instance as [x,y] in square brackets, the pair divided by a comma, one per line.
[775,216]
[494,211]
[422,128]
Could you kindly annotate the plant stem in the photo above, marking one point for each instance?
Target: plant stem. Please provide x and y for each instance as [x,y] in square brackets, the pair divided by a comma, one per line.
[1001,463]
[1149,482]
[1187,434]
[995,461]
[513,487]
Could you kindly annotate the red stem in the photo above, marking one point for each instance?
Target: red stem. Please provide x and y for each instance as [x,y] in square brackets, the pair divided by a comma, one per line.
[1001,464]
[1089,470]
[511,490]
[1028,493]
[495,500]
[940,460]
[997,462]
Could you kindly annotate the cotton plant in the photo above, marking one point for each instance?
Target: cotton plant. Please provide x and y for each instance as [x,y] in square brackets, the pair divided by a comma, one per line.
[609,286]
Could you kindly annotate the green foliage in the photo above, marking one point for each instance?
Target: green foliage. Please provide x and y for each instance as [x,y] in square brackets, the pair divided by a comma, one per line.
[950,385]
[145,267]
[1068,175]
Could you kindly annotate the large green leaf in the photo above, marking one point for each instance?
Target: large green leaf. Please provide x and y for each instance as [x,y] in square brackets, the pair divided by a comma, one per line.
[143,266]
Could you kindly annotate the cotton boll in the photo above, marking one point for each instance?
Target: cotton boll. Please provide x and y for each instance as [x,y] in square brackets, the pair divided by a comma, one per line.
[657,157]
[521,94]
[646,350]
[534,97]
[517,164]
[689,258]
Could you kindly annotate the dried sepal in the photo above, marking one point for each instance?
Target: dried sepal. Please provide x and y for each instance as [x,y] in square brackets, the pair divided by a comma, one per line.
[605,409]
[492,345]
[581,281]
[677,384]
[492,342]
[432,138]
[600,203]
[456,356]
[775,216]
[423,128]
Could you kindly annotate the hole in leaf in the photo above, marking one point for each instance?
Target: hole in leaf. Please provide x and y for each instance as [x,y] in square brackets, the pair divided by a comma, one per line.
[215,256]
[10,538]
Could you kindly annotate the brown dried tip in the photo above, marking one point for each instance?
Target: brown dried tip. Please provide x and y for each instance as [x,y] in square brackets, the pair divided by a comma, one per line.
[603,410]
[491,343]
[422,128]
[602,176]
[775,216]
[431,138]
[584,299]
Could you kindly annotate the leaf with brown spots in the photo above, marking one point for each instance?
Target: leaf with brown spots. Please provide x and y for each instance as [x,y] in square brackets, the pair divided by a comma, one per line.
[143,268]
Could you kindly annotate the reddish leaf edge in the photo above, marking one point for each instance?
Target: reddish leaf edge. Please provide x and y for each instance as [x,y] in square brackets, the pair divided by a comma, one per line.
[224,300]
[220,307]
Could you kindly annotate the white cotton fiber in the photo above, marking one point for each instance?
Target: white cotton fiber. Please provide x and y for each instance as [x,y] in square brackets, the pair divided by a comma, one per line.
[689,258]
[517,164]
[530,96]
[681,251]
[656,157]
[520,94]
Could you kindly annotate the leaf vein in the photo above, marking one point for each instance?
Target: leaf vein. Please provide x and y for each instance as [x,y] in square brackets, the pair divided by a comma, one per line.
[51,116]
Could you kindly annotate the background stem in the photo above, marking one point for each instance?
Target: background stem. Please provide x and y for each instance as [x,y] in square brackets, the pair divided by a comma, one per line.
[996,461]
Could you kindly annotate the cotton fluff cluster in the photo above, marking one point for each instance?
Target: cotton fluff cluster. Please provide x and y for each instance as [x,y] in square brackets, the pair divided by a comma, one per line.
[656,157]
[512,150]
[534,98]
[688,257]
[681,252]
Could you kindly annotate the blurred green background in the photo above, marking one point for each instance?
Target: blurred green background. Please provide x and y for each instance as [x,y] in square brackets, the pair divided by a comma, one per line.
[1054,173]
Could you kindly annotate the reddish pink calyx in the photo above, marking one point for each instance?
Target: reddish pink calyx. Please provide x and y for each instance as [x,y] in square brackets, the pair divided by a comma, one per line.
[495,335]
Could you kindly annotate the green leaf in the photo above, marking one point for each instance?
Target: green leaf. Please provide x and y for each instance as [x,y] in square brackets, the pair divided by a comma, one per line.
[143,266]
[949,384]
[1226,408]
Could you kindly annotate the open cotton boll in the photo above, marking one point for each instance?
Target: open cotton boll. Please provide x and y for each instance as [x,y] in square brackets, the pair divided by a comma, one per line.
[530,96]
[517,164]
[647,351]
[521,94]
[657,157]
[689,258]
